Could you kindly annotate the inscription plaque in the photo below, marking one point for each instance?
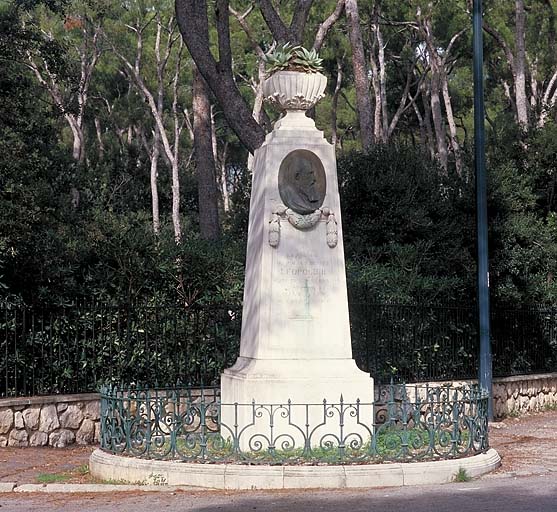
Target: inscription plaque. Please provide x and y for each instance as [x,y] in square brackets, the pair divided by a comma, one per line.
[301,284]
[301,181]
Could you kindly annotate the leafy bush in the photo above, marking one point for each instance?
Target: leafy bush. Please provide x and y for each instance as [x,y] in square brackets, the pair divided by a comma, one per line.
[408,228]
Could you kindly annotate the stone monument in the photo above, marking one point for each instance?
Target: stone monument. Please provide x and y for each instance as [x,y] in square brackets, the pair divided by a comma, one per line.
[295,341]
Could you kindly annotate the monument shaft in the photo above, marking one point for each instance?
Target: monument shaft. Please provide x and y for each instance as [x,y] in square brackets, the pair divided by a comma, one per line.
[295,342]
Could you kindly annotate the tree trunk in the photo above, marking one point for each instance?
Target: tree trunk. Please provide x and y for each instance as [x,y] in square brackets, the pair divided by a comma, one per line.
[427,122]
[223,180]
[78,150]
[204,160]
[193,23]
[98,131]
[377,131]
[176,221]
[360,74]
[520,66]
[154,175]
[451,122]
[548,100]
[437,115]
[421,124]
[220,177]
[257,110]
[382,75]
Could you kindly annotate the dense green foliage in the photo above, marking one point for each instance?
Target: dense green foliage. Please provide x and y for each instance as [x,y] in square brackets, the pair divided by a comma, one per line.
[410,229]
[82,228]
[409,235]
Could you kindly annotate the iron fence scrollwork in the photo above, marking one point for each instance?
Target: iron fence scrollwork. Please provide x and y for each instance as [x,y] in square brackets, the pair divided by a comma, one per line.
[404,423]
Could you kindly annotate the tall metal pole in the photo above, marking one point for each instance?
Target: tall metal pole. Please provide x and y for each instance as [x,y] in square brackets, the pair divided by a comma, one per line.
[485,372]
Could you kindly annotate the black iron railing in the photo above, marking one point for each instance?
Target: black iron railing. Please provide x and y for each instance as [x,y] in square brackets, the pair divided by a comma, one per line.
[414,343]
[78,348]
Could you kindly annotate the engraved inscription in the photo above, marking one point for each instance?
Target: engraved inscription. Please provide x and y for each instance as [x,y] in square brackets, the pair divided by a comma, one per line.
[303,285]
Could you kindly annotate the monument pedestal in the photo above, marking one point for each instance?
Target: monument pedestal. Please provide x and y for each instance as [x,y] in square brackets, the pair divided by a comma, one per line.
[295,343]
[306,381]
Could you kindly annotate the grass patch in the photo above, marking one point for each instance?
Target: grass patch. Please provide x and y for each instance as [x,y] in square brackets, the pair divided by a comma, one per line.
[110,481]
[71,475]
[391,442]
[82,470]
[462,476]
[52,478]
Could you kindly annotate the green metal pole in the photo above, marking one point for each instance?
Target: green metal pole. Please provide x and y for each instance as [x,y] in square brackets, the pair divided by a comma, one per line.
[485,372]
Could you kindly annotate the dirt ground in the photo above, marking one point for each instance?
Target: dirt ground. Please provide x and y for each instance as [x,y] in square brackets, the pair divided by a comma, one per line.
[527,445]
[45,465]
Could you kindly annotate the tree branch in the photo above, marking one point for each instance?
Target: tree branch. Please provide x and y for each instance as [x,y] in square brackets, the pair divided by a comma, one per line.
[549,88]
[241,18]
[193,23]
[403,104]
[502,43]
[327,24]
[223,31]
[451,44]
[281,33]
[299,19]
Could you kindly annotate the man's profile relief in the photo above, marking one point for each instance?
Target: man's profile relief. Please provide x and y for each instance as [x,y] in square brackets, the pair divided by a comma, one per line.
[302,182]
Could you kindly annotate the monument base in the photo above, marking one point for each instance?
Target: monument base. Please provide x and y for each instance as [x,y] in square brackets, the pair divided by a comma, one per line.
[302,381]
[290,404]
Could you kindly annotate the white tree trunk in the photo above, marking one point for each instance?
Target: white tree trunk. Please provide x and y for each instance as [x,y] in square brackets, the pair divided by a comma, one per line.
[154,187]
[223,180]
[452,126]
[438,122]
[520,66]
[382,82]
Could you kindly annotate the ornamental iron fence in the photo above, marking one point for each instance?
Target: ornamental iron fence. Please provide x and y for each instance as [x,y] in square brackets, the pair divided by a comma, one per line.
[403,424]
[419,343]
[77,348]
[414,343]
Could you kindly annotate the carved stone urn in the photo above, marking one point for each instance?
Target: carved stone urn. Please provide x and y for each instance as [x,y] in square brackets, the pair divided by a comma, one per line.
[294,92]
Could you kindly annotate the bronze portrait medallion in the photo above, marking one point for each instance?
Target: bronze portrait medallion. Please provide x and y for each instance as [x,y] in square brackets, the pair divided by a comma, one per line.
[302,182]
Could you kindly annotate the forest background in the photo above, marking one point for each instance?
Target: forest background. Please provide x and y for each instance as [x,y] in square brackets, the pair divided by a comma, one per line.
[124,162]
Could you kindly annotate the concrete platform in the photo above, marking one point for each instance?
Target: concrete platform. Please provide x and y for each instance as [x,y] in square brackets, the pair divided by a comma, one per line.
[108,467]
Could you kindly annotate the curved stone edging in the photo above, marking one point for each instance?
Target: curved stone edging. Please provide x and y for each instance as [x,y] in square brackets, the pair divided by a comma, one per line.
[106,466]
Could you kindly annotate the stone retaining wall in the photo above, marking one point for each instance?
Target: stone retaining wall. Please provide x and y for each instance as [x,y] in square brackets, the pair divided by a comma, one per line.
[57,420]
[519,394]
